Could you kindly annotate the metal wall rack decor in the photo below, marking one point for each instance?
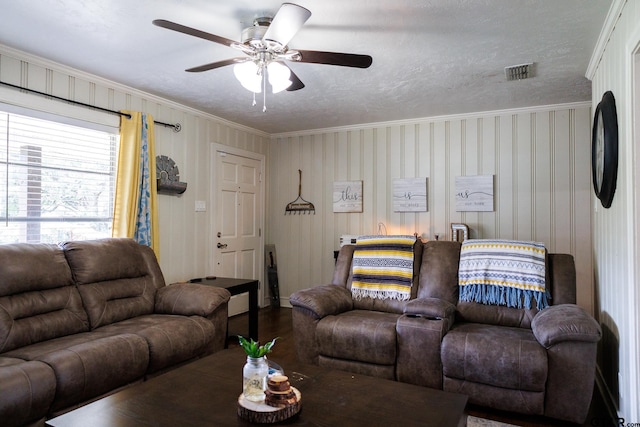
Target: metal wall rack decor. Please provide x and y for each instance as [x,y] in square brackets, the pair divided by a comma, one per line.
[300,205]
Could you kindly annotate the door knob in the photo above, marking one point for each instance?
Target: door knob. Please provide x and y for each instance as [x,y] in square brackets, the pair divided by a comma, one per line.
[221,246]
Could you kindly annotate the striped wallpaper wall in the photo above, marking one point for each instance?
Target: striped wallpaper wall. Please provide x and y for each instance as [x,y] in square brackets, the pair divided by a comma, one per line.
[540,159]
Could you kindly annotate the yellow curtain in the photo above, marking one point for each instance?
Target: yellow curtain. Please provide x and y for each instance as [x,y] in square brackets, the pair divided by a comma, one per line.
[136,209]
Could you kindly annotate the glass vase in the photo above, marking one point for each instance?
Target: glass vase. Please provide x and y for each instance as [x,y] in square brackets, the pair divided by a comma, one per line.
[254,378]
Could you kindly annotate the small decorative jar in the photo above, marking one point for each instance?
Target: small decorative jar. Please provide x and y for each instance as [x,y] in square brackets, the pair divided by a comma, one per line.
[254,378]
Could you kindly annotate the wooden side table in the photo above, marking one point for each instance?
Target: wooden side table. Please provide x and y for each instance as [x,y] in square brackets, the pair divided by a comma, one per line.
[237,287]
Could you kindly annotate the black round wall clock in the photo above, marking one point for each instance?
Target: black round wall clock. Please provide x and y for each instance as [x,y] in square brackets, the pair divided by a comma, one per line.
[604,149]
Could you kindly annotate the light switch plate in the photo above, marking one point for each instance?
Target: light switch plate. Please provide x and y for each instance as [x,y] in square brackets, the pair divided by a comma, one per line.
[201,206]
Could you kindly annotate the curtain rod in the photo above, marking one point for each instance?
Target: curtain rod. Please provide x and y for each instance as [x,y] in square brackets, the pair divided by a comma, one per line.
[176,127]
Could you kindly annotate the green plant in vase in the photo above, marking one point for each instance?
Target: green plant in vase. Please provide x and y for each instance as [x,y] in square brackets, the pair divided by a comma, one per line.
[254,349]
[256,370]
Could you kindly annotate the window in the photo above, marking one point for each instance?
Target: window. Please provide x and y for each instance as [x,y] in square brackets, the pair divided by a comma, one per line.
[57,181]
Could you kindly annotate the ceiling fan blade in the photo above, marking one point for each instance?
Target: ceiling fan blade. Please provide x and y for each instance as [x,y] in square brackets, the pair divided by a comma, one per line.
[296,83]
[192,32]
[288,20]
[218,64]
[335,58]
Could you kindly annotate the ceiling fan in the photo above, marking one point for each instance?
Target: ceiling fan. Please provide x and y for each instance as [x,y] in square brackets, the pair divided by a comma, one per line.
[265,47]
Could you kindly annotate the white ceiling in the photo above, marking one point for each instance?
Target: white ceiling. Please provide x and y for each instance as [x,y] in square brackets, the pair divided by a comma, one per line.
[430,57]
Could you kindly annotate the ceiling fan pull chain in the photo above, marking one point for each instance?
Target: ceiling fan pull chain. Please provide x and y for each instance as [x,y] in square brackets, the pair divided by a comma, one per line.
[264,89]
[254,100]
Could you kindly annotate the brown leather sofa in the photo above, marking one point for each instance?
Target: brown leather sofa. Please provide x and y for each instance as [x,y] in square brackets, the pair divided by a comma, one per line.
[521,360]
[85,318]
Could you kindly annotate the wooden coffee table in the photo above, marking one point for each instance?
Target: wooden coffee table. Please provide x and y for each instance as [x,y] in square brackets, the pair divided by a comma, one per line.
[205,393]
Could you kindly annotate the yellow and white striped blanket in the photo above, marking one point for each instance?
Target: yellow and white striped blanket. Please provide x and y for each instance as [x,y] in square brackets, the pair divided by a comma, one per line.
[383,267]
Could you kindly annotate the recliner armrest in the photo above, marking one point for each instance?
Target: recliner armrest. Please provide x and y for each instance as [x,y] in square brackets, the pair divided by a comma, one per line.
[435,308]
[189,299]
[323,300]
[564,322]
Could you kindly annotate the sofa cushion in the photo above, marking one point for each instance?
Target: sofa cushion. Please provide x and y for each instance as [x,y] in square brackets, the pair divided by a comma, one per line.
[171,339]
[387,372]
[27,390]
[37,350]
[103,260]
[116,300]
[521,401]
[474,312]
[498,356]
[360,335]
[90,369]
[38,300]
[439,271]
[114,277]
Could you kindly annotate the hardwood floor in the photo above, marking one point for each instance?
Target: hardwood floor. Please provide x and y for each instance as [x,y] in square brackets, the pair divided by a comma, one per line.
[272,323]
[277,323]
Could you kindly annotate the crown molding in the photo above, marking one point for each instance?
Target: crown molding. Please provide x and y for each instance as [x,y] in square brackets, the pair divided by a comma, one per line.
[605,34]
[49,64]
[405,122]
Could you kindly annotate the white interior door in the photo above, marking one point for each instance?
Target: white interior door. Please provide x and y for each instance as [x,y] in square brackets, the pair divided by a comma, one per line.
[238,234]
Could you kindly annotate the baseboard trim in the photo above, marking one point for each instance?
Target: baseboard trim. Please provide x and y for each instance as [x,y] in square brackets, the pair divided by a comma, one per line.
[607,395]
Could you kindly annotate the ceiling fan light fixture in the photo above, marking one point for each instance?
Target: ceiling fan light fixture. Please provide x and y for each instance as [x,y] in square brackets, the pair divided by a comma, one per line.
[264,43]
[279,76]
[249,76]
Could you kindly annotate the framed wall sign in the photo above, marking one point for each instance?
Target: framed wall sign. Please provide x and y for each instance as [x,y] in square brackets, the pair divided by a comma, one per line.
[474,193]
[410,195]
[347,196]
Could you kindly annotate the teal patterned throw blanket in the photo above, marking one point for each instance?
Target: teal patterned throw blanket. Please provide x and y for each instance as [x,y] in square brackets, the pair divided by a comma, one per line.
[503,272]
[383,267]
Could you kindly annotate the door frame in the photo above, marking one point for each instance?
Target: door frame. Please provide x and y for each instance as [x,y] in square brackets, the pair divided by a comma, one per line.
[220,148]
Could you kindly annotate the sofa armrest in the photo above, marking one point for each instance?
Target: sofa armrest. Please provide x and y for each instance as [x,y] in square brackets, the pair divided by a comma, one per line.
[189,299]
[324,300]
[564,322]
[431,308]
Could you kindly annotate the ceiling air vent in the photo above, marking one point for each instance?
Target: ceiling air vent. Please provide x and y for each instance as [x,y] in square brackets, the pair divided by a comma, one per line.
[519,72]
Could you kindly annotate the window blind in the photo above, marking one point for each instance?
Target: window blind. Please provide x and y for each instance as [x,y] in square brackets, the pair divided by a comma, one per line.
[57,181]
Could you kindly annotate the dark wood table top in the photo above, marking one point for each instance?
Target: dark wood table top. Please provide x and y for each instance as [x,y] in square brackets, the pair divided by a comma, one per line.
[205,393]
[237,285]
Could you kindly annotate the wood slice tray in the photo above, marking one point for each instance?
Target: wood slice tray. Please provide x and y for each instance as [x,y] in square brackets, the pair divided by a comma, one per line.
[260,412]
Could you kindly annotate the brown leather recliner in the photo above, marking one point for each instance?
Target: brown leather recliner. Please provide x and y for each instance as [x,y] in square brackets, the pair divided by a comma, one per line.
[520,360]
[334,330]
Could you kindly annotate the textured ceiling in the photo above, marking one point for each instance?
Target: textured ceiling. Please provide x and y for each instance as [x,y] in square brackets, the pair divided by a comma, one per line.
[430,57]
